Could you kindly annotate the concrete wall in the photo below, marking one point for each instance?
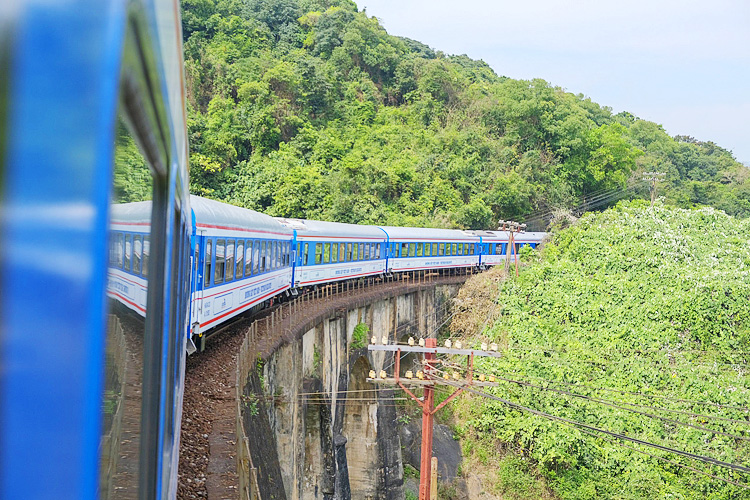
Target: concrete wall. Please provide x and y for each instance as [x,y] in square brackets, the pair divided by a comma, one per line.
[335,434]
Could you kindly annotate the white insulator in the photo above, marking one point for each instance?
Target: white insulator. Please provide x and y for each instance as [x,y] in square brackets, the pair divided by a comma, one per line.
[420,374]
[374,340]
[411,340]
[372,373]
[482,378]
[484,346]
[448,343]
[459,345]
[421,342]
[445,376]
[493,347]
[456,376]
[409,374]
[492,378]
[384,340]
[383,374]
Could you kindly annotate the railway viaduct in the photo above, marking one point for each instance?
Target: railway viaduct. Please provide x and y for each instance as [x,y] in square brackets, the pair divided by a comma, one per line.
[308,424]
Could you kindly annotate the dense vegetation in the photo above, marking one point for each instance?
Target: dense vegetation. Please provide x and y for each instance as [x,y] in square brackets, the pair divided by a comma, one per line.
[309,108]
[647,311]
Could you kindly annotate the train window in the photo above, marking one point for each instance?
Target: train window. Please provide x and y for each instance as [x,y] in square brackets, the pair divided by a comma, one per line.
[318,253]
[263,257]
[146,250]
[462,249]
[419,249]
[326,253]
[427,247]
[207,273]
[127,253]
[404,249]
[348,252]
[278,254]
[305,254]
[334,252]
[441,249]
[119,253]
[221,246]
[249,258]
[378,251]
[123,353]
[137,251]
[256,257]
[229,272]
[472,249]
[453,249]
[342,252]
[240,259]
[412,249]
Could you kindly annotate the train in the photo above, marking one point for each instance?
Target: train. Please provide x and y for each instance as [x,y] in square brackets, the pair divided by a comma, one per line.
[112,273]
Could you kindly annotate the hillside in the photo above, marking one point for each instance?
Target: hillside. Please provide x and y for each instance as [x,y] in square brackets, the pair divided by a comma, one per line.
[309,108]
[637,321]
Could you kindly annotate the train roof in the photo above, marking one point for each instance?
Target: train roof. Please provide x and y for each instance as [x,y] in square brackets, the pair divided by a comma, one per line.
[138,212]
[216,216]
[313,228]
[427,233]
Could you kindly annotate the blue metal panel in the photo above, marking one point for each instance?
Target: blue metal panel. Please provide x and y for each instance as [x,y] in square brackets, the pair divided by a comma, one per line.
[62,109]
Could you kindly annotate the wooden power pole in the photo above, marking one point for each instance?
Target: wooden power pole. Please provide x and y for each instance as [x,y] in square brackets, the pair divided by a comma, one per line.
[428,378]
[653,177]
[510,251]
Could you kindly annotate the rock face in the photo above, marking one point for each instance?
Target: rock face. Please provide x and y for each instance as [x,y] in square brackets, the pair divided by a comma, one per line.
[444,447]
[333,434]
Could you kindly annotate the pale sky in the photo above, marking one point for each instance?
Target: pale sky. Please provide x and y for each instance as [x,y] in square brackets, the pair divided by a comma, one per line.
[683,64]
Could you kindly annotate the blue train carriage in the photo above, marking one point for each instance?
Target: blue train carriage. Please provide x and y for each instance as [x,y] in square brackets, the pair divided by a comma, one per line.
[495,244]
[129,250]
[92,119]
[412,249]
[241,259]
[333,251]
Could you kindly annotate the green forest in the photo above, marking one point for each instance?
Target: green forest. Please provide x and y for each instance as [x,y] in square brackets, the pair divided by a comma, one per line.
[309,108]
[633,321]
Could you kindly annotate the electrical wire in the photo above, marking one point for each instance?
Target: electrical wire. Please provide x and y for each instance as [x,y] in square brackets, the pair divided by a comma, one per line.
[617,435]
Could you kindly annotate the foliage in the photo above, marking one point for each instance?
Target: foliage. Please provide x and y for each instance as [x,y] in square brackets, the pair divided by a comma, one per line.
[359,336]
[646,310]
[309,108]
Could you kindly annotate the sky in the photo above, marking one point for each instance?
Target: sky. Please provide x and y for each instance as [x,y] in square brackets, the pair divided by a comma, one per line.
[683,64]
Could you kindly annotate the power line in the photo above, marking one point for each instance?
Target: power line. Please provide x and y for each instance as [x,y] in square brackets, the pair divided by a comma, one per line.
[625,437]
[614,405]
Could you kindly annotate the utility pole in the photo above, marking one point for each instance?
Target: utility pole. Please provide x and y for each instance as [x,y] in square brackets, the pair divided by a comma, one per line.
[653,177]
[512,228]
[428,378]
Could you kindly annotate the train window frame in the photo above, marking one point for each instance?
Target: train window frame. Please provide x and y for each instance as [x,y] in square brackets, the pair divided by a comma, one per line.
[263,256]
[427,248]
[219,265]
[127,254]
[454,249]
[137,240]
[412,249]
[229,261]
[420,247]
[256,257]
[248,258]
[208,264]
[239,259]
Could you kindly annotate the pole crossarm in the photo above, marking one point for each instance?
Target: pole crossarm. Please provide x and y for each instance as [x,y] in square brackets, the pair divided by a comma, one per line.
[434,350]
[428,380]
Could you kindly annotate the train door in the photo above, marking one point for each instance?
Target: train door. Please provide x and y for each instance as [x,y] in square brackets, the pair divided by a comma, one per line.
[198,282]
